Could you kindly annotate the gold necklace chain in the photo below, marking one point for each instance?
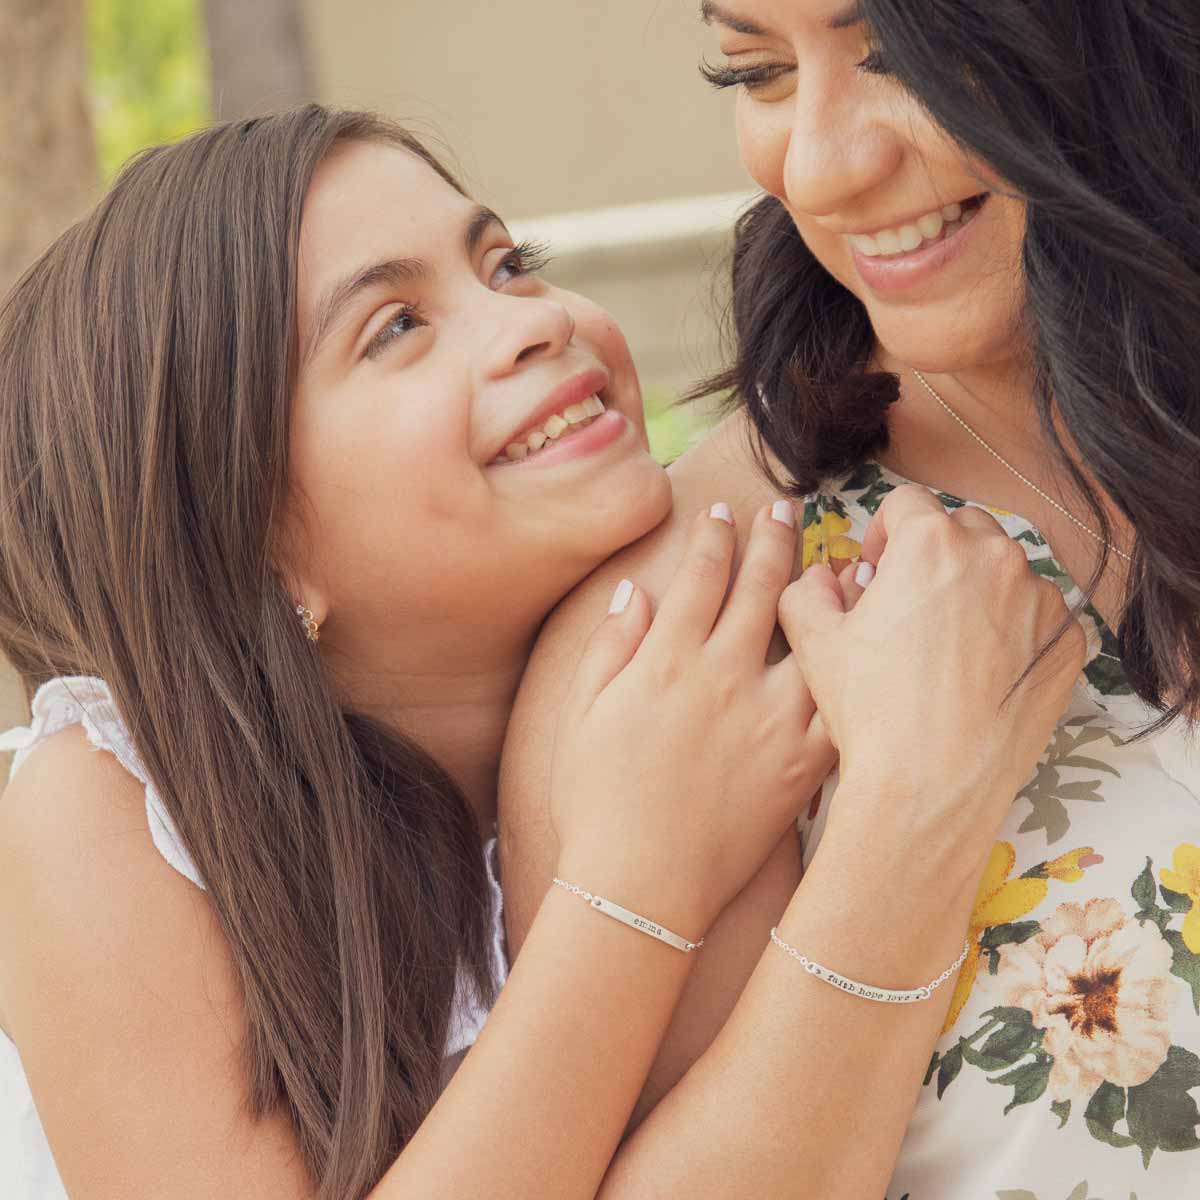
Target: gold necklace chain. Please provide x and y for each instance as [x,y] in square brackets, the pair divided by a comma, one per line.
[1008,466]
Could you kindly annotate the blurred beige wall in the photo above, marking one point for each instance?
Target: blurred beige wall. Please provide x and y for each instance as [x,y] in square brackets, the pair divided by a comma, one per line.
[548,105]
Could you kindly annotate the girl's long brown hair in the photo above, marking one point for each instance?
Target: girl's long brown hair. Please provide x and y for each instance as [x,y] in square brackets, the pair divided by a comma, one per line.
[147,364]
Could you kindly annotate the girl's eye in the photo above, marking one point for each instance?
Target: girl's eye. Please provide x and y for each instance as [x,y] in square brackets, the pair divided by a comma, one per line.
[751,78]
[407,318]
[528,258]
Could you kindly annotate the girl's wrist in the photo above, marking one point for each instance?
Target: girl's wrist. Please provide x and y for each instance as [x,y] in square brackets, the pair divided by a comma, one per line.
[653,891]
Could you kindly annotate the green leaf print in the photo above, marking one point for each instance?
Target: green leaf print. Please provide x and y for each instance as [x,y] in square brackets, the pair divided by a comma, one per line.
[1078,1192]
[1028,1082]
[1185,965]
[951,1064]
[1047,793]
[862,478]
[1104,1110]
[1161,1113]
[1062,1110]
[1177,902]
[1032,537]
[1105,672]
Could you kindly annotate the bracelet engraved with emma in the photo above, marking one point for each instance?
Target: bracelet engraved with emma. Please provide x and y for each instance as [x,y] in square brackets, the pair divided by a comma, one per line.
[641,924]
[865,990]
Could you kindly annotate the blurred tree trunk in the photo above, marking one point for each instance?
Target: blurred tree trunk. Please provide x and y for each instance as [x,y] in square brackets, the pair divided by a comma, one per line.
[47,166]
[47,152]
[259,62]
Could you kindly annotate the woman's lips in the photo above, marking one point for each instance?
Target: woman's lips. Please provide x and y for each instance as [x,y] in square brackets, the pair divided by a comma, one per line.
[886,274]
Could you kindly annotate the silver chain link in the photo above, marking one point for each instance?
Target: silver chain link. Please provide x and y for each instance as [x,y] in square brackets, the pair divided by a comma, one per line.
[1009,467]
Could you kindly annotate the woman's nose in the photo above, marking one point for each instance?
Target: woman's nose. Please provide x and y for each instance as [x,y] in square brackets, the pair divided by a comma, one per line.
[527,327]
[838,150]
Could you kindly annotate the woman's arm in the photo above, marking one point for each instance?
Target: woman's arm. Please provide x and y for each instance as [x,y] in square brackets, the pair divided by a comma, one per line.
[805,1091]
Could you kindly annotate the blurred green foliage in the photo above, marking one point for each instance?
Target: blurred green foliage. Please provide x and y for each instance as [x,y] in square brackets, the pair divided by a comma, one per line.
[149,74]
[674,427]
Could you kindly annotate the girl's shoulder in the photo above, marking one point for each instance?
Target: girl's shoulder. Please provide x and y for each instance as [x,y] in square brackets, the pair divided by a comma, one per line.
[78,741]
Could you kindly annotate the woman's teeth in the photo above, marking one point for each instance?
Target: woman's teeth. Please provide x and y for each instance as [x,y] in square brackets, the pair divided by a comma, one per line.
[925,231]
[574,417]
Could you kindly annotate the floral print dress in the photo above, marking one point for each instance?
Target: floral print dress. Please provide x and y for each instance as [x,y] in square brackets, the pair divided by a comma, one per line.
[1069,1064]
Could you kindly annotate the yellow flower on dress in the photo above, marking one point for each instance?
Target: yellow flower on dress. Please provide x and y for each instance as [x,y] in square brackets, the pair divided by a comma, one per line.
[826,539]
[1001,900]
[1185,878]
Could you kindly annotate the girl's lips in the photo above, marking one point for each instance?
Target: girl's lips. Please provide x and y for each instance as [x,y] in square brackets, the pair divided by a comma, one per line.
[574,444]
[899,273]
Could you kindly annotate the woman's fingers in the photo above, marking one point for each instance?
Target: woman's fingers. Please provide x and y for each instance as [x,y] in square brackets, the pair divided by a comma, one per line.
[899,507]
[812,607]
[694,597]
[748,621]
[612,646]
[853,580]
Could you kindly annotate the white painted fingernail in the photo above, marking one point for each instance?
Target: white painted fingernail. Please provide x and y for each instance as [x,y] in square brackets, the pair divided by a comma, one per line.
[721,512]
[621,597]
[783,512]
[864,574]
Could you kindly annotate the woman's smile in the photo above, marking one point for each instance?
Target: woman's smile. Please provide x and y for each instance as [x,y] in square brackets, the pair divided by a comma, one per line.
[901,258]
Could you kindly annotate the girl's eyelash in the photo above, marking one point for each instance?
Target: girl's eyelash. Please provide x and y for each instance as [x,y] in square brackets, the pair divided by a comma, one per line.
[389,333]
[526,258]
[529,257]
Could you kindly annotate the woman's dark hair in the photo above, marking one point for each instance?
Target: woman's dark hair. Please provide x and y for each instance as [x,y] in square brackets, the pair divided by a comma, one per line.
[147,364]
[1090,110]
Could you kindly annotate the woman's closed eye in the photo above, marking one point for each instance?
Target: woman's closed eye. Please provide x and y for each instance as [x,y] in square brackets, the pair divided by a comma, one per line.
[521,261]
[757,78]
[753,78]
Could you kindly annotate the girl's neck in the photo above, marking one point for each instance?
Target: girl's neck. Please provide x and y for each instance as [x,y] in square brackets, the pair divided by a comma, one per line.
[457,713]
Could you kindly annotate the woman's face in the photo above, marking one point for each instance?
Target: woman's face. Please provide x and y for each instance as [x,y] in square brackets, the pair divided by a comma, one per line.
[885,201]
[467,442]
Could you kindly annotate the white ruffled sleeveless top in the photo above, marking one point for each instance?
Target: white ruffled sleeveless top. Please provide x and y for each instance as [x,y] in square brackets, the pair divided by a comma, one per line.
[27,1169]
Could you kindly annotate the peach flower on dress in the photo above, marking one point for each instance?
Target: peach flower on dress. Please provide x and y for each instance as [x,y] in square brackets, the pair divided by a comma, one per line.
[1099,984]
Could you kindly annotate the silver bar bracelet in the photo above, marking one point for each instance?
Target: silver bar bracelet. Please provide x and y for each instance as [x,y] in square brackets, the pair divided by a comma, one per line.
[632,919]
[865,990]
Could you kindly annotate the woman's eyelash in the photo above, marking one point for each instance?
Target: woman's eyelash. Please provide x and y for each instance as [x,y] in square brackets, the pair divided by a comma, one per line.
[748,77]
[760,76]
[875,64]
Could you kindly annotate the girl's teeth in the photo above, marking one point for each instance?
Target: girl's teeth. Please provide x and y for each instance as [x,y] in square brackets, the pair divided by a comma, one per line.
[910,237]
[952,212]
[577,414]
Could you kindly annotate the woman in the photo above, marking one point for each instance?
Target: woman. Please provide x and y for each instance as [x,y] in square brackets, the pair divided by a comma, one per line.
[1001,197]
[297,453]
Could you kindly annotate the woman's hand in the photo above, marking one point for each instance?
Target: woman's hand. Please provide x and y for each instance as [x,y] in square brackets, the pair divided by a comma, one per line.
[681,757]
[914,683]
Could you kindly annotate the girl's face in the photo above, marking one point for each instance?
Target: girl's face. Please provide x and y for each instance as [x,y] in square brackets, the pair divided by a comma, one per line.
[888,205]
[467,442]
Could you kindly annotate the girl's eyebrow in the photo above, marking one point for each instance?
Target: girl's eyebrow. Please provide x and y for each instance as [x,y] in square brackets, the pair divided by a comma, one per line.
[393,271]
[711,11]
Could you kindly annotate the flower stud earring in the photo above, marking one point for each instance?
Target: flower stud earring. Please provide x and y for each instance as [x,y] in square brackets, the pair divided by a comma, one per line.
[311,629]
